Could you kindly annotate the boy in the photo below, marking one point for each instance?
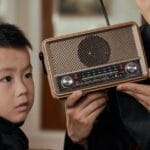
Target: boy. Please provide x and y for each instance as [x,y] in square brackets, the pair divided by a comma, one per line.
[16,87]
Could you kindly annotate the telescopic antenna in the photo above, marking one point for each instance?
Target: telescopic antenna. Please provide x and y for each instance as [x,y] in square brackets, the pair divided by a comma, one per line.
[105,12]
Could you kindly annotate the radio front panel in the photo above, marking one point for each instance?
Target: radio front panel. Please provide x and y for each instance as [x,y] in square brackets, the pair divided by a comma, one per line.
[94,59]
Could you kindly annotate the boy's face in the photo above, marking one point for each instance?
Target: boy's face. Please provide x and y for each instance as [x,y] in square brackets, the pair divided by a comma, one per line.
[16,84]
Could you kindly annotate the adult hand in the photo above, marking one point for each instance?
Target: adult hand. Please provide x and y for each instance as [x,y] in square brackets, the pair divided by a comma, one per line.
[140,92]
[144,6]
[81,113]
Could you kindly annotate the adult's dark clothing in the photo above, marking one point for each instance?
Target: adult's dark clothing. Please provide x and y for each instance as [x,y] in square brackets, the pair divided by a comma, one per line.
[11,136]
[124,124]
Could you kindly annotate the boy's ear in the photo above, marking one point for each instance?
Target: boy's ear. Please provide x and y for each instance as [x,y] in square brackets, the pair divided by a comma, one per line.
[41,57]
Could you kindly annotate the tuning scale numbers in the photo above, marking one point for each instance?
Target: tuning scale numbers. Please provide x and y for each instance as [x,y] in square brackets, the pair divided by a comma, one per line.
[99,76]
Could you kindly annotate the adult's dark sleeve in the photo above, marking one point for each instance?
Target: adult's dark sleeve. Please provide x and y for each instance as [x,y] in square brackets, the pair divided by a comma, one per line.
[69,145]
[134,116]
[145,32]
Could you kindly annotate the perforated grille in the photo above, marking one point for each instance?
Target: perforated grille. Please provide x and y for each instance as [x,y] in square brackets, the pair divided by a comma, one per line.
[63,54]
[93,51]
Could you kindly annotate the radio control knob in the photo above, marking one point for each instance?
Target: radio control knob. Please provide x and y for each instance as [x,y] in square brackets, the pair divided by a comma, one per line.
[67,81]
[131,67]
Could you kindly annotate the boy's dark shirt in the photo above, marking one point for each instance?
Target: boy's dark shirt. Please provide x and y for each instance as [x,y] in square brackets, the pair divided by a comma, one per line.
[124,124]
[11,136]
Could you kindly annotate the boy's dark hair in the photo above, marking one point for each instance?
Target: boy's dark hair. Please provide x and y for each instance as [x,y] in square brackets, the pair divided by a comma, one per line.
[12,36]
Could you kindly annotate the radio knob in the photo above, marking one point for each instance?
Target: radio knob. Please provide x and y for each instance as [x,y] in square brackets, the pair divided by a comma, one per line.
[131,67]
[67,81]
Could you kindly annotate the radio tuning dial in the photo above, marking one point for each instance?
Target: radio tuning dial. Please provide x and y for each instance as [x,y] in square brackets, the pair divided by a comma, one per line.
[67,81]
[131,67]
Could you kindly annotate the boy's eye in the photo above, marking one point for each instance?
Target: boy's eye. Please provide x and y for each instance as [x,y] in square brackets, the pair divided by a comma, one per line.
[28,75]
[6,79]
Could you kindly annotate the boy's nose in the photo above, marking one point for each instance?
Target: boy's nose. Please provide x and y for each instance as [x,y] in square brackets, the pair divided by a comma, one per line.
[21,88]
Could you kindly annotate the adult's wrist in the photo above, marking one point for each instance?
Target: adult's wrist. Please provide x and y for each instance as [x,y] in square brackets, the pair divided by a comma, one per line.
[84,144]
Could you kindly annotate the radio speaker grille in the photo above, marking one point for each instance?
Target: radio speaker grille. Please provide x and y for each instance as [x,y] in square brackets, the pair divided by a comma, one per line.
[119,43]
[93,50]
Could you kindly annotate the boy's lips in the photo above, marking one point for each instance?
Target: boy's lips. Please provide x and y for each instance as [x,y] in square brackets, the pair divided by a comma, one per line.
[22,107]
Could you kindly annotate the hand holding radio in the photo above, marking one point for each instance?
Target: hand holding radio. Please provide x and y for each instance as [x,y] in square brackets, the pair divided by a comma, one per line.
[81,113]
[140,92]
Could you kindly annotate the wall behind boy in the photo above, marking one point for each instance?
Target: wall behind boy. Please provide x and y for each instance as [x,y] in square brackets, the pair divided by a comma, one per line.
[119,11]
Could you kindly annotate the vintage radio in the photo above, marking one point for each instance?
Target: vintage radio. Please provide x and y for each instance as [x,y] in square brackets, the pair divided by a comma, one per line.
[94,59]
